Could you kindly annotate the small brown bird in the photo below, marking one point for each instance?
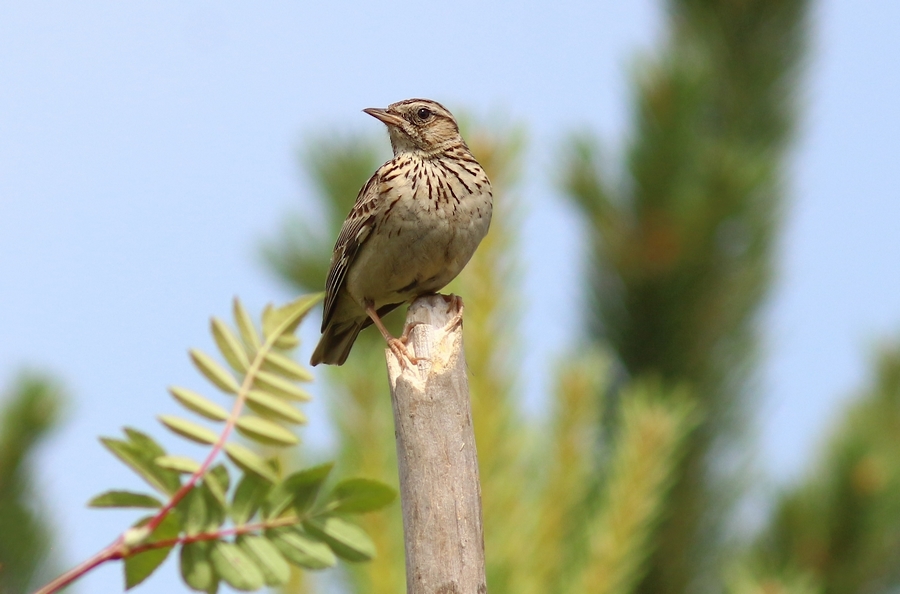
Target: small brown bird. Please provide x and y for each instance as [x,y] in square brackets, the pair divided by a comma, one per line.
[414,226]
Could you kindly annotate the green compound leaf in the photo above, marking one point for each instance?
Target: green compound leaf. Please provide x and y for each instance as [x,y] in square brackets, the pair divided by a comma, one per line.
[139,455]
[199,404]
[348,541]
[139,567]
[285,366]
[248,497]
[249,335]
[214,372]
[273,407]
[196,568]
[250,461]
[298,491]
[125,499]
[229,345]
[266,432]
[188,429]
[275,568]
[300,549]
[278,386]
[360,495]
[234,566]
[181,464]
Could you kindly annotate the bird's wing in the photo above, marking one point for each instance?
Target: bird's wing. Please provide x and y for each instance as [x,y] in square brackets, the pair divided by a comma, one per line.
[354,232]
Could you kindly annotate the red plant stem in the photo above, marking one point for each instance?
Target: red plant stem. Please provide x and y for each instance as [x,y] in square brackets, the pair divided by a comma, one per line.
[237,530]
[117,549]
[111,552]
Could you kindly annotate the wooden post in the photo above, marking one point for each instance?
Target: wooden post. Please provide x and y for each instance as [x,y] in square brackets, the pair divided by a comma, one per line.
[439,488]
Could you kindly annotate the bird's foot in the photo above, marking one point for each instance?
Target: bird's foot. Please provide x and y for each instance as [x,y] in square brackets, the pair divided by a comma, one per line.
[400,350]
[457,302]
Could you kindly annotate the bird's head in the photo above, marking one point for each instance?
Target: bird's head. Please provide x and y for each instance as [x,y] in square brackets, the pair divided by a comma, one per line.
[418,125]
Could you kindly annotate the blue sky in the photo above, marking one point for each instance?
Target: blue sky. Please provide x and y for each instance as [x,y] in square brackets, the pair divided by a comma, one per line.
[147,149]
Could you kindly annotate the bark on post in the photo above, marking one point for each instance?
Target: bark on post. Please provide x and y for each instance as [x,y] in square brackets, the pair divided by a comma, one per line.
[439,487]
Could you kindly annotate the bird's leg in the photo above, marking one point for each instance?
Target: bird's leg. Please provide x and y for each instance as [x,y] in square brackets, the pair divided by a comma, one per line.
[456,320]
[397,345]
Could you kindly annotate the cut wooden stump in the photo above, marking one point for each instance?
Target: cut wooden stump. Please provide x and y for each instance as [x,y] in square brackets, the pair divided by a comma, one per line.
[438,464]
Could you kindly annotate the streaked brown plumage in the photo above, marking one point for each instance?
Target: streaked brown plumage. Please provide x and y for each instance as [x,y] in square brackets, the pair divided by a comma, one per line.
[414,226]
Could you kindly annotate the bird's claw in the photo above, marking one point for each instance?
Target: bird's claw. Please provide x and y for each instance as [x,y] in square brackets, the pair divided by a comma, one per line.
[398,347]
[456,320]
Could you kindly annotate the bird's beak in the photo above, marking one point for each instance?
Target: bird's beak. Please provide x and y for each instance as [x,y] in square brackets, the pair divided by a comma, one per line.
[385,116]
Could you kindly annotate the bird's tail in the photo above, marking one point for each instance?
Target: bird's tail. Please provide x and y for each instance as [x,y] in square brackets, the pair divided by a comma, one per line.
[336,342]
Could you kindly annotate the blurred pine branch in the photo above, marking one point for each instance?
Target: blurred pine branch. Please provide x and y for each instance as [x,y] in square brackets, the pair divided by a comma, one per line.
[681,245]
[31,409]
[653,424]
[841,525]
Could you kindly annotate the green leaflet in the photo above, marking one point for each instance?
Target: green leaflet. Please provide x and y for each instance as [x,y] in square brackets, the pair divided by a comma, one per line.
[196,568]
[193,509]
[234,566]
[277,385]
[250,461]
[248,496]
[144,442]
[139,454]
[360,495]
[273,407]
[188,429]
[229,345]
[285,366]
[275,568]
[280,321]
[286,342]
[138,567]
[217,481]
[249,335]
[266,432]
[300,549]
[348,541]
[298,491]
[124,499]
[214,372]
[199,404]
[181,464]
[215,510]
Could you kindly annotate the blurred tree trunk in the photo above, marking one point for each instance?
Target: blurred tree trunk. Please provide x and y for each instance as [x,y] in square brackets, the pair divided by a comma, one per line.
[682,247]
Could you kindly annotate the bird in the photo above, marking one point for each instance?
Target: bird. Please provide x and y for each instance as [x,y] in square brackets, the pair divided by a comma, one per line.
[414,226]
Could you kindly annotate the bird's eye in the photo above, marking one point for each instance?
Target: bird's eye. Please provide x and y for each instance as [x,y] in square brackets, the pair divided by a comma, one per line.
[424,113]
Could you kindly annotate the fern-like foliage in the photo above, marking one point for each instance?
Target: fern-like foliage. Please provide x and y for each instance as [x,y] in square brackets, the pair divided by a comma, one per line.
[241,523]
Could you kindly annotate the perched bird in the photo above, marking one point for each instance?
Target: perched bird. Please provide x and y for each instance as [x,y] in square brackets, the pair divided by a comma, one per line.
[413,228]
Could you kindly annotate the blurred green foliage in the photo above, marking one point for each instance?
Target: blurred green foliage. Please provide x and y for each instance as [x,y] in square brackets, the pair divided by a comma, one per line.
[31,408]
[841,524]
